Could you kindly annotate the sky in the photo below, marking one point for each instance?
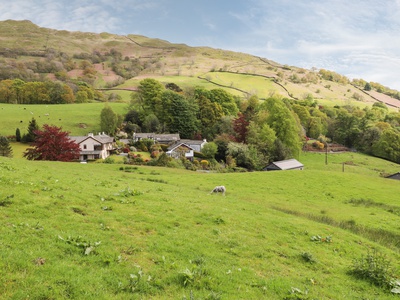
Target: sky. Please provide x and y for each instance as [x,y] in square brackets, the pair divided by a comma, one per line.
[355,38]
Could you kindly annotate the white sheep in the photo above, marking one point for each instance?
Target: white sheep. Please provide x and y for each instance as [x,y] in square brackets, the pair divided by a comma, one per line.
[219,189]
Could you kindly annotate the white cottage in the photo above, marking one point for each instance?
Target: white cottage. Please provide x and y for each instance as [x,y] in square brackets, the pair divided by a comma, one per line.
[94,146]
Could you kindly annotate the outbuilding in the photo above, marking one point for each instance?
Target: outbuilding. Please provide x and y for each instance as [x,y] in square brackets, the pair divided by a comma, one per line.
[394,176]
[289,164]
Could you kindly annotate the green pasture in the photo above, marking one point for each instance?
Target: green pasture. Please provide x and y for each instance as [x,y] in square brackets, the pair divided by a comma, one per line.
[114,231]
[78,119]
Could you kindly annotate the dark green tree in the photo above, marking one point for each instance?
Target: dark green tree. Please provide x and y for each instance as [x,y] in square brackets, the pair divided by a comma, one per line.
[5,147]
[209,115]
[246,156]
[17,135]
[347,128]
[181,115]
[31,135]
[388,146]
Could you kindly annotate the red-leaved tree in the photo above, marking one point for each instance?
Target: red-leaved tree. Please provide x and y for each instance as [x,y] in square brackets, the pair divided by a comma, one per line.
[53,144]
[240,126]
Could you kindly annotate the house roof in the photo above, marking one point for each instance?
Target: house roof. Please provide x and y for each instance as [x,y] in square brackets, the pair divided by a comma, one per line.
[101,138]
[394,176]
[169,137]
[288,164]
[177,145]
[193,142]
[144,135]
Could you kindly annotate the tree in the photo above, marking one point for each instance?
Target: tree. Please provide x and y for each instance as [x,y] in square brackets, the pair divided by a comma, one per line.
[346,128]
[240,126]
[222,142]
[52,144]
[181,114]
[388,146]
[246,156]
[148,94]
[209,150]
[108,120]
[226,100]
[209,114]
[30,136]
[5,147]
[17,135]
[281,119]
[263,138]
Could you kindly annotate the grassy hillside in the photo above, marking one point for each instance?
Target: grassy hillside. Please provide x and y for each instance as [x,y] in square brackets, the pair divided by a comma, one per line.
[78,119]
[240,73]
[118,232]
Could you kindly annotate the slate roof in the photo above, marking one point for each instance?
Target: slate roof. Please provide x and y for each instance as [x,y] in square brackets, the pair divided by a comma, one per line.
[101,138]
[193,142]
[288,164]
[394,176]
[177,145]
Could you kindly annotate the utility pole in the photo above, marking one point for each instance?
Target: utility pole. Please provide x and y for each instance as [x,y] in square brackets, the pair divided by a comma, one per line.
[326,153]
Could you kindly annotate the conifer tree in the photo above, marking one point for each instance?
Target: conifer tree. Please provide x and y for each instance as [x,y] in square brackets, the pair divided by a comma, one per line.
[32,127]
[5,147]
[18,135]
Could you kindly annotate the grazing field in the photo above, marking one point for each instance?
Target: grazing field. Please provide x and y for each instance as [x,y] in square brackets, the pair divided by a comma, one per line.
[113,231]
[78,119]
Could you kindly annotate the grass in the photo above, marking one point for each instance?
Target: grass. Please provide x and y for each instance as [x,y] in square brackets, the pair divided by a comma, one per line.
[78,119]
[96,231]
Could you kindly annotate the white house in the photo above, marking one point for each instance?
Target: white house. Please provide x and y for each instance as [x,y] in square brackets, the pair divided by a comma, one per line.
[179,150]
[94,146]
[197,145]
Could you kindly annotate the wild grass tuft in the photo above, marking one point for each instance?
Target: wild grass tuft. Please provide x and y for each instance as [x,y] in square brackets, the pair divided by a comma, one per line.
[375,268]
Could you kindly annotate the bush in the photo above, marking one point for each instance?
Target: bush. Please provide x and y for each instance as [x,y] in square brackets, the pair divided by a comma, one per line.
[318,145]
[109,160]
[375,268]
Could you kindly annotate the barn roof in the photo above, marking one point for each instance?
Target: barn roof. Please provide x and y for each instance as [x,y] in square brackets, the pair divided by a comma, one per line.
[288,164]
[394,176]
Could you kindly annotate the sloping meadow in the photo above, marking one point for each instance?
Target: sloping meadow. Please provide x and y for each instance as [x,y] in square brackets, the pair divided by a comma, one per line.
[113,231]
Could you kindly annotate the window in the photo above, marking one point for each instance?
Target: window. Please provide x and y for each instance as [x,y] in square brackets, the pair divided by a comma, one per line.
[84,146]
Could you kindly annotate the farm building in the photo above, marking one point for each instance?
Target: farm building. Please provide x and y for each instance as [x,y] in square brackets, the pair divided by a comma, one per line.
[394,176]
[289,164]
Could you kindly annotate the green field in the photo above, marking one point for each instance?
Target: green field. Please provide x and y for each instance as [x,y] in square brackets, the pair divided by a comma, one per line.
[78,119]
[112,231]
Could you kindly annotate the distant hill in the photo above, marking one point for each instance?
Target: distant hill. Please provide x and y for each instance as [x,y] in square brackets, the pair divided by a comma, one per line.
[120,62]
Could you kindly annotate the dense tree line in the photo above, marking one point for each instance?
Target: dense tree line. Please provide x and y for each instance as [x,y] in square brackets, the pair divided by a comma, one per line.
[18,91]
[251,133]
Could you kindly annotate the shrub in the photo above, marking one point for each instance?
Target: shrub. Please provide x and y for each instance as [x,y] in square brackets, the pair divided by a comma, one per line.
[109,160]
[375,268]
[318,145]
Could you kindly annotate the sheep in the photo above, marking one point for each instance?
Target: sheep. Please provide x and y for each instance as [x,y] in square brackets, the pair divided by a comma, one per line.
[219,189]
